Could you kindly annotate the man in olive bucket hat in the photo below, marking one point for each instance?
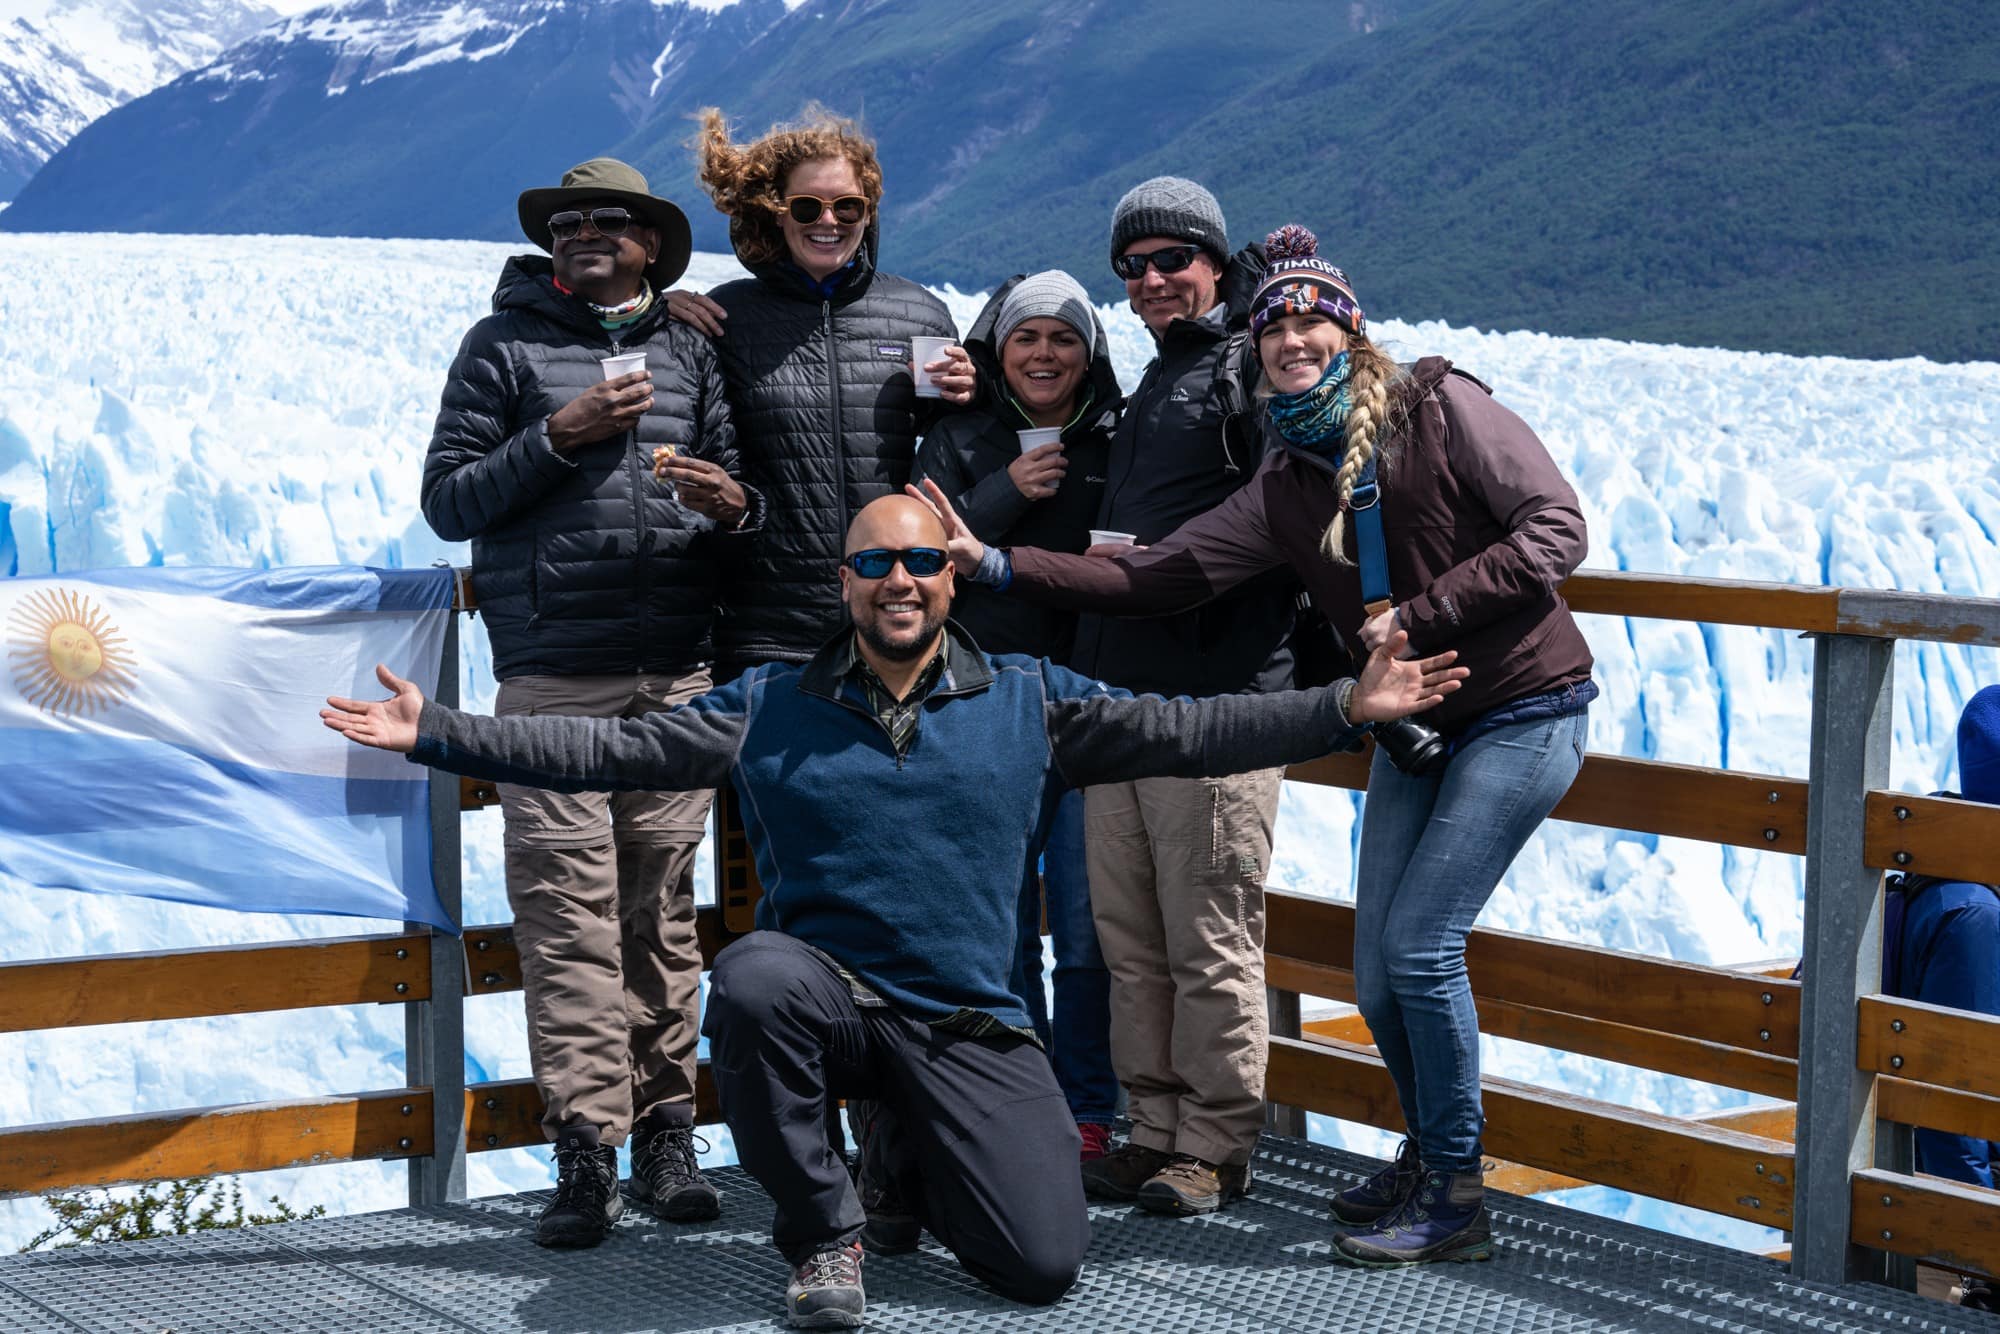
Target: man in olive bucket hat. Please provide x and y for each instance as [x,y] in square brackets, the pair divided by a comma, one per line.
[599,496]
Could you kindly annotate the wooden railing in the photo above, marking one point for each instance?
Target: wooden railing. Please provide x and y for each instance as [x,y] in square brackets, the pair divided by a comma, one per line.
[1858,1067]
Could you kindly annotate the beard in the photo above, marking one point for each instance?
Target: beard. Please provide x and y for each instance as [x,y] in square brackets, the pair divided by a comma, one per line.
[899,651]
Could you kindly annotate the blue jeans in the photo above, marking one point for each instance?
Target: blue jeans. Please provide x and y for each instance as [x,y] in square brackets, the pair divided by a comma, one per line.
[1432,851]
[1079,1042]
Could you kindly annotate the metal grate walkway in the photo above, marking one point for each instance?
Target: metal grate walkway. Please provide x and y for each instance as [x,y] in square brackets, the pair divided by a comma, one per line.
[1261,1266]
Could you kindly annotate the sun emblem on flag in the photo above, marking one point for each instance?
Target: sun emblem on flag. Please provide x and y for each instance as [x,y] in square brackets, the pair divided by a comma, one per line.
[66,655]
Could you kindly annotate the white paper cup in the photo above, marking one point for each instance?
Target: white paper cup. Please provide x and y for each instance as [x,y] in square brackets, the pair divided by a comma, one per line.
[1103,537]
[623,364]
[1039,436]
[923,351]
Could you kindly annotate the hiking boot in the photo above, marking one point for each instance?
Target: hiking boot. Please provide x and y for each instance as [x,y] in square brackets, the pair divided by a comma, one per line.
[825,1291]
[586,1202]
[1444,1218]
[665,1175]
[893,1227]
[1191,1185]
[1381,1194]
[1119,1173]
[1096,1141]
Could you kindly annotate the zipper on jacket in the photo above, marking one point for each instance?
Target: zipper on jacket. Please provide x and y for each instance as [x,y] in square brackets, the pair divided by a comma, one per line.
[642,580]
[839,445]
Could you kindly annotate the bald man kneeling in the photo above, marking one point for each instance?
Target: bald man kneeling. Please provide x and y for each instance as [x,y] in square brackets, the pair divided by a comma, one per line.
[895,787]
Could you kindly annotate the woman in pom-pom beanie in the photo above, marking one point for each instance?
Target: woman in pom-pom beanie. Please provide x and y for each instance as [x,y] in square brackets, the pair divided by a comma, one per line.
[1480,529]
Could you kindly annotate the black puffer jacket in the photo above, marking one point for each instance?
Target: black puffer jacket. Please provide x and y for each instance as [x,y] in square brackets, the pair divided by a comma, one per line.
[828,418]
[967,454]
[1189,441]
[582,563]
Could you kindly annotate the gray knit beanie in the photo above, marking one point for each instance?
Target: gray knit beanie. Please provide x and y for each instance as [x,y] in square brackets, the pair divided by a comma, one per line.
[1051,293]
[1170,206]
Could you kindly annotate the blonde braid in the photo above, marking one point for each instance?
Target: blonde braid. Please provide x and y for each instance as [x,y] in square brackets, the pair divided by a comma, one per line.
[1369,396]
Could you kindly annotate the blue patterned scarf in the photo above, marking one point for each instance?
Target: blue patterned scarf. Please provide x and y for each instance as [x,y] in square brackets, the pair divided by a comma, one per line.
[1316,418]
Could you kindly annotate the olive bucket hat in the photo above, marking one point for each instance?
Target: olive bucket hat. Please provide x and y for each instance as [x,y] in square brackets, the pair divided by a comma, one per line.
[608,181]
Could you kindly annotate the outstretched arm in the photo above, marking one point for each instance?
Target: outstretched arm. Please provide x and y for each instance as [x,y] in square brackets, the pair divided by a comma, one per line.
[1196,563]
[692,746]
[1100,735]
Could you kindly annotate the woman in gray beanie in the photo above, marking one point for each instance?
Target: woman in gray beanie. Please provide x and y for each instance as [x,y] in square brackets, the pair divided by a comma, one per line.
[1043,363]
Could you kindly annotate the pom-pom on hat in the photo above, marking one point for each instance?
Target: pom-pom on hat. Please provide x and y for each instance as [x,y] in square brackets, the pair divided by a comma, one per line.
[1297,280]
[1979,748]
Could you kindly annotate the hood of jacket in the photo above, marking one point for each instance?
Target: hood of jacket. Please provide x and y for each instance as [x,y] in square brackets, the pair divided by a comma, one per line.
[1100,380]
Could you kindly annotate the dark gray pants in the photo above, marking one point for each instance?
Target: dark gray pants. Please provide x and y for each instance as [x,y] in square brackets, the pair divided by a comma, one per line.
[979,1130]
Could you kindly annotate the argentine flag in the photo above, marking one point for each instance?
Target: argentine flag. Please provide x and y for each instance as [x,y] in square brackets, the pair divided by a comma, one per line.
[160,736]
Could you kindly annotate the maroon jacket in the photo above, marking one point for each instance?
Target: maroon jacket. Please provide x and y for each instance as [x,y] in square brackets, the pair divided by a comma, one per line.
[1480,525]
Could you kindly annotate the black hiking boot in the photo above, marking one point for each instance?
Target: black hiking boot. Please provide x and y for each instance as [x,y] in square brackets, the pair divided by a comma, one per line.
[665,1176]
[825,1291]
[1381,1194]
[1443,1219]
[586,1202]
[1119,1174]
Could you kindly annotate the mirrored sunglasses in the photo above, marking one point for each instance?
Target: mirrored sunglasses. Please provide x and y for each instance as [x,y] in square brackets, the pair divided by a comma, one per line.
[608,221]
[876,562]
[1168,259]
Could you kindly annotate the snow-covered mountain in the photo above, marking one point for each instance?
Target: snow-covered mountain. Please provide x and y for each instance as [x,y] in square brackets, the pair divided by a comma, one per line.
[67,62]
[261,401]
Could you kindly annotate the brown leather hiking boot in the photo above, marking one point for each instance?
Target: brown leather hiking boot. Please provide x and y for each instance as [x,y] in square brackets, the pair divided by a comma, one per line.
[1119,1174]
[1189,1185]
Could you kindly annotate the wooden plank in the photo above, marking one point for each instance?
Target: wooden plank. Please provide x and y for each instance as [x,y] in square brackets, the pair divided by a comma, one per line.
[1706,1167]
[476,794]
[1686,801]
[393,1123]
[1929,1044]
[1769,1122]
[1932,836]
[1648,1049]
[1677,800]
[1709,1004]
[1912,1104]
[228,979]
[507,1113]
[1946,1221]
[1714,601]
[1888,614]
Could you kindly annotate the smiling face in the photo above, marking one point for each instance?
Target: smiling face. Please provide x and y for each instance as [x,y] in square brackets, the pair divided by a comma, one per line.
[1043,362]
[1162,298]
[605,269]
[1297,349]
[824,246]
[899,616]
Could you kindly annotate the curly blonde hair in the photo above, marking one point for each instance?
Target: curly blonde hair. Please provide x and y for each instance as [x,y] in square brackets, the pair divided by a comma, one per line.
[747,181]
[1368,431]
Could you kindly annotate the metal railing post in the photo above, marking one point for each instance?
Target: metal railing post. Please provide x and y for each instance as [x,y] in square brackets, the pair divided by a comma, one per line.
[1851,710]
[1282,1009]
[434,1029]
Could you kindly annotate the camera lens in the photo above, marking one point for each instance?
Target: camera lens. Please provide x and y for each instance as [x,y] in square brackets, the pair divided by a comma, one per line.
[1412,747]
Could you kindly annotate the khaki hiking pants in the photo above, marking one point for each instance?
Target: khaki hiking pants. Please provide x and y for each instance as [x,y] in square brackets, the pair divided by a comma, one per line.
[1177,869]
[602,887]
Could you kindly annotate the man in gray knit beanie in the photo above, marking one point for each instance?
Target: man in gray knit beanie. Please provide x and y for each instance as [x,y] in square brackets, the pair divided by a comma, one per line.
[1177,865]
[1170,206]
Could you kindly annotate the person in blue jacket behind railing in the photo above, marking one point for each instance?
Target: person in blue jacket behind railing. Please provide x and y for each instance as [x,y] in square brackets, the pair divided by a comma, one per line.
[1948,952]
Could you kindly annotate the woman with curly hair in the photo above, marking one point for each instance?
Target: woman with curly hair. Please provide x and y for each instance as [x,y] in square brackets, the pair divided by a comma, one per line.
[815,350]
[1472,531]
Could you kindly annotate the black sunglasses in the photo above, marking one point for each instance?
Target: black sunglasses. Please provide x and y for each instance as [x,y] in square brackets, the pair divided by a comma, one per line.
[1168,259]
[876,562]
[806,209]
[609,222]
